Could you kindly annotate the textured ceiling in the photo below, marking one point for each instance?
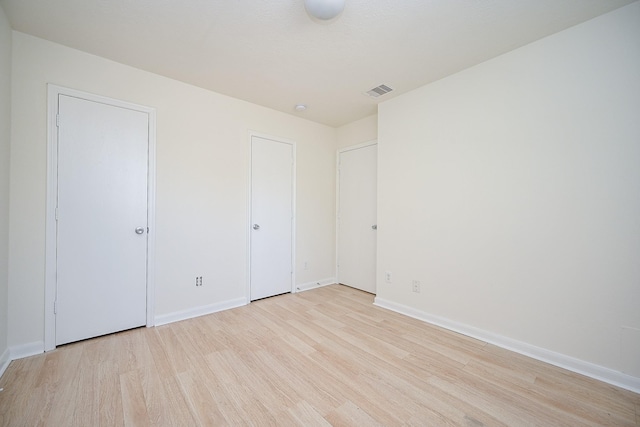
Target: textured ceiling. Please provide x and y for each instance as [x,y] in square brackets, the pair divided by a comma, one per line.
[269,52]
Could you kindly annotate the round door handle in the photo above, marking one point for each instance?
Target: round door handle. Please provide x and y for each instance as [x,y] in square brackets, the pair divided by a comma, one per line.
[374,227]
[256,227]
[139,230]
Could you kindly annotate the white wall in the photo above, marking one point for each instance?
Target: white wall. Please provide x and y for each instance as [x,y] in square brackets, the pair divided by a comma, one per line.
[511,191]
[357,132]
[202,182]
[5,136]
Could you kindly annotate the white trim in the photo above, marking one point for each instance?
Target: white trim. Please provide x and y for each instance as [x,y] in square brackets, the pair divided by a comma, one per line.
[190,313]
[337,220]
[151,221]
[50,279]
[5,359]
[588,369]
[294,224]
[53,91]
[317,284]
[26,350]
[294,180]
[358,146]
[247,273]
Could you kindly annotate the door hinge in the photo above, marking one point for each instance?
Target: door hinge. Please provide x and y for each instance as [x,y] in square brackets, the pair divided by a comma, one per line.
[55,307]
[56,214]
[58,120]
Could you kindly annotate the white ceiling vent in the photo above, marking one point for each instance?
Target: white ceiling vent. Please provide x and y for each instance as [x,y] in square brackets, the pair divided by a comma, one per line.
[379,91]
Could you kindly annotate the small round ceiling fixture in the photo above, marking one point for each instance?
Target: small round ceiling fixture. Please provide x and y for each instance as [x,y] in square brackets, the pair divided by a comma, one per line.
[324,9]
[300,108]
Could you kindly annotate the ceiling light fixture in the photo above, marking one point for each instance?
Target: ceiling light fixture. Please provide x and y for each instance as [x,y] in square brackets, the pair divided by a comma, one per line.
[324,9]
[300,108]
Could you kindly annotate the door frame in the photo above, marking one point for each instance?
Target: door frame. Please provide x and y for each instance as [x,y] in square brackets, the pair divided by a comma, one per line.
[50,280]
[338,153]
[293,210]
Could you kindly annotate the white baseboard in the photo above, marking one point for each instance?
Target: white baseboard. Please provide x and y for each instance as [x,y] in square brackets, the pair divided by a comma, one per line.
[317,284]
[199,311]
[26,350]
[4,361]
[563,361]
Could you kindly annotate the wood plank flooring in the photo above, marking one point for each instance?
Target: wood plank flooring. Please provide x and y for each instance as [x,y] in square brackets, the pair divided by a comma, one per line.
[317,358]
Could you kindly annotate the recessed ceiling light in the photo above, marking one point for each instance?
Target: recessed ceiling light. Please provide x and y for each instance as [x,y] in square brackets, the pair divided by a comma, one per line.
[300,108]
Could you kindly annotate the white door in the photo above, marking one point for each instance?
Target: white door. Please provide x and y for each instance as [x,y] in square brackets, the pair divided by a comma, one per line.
[357,187]
[271,217]
[102,219]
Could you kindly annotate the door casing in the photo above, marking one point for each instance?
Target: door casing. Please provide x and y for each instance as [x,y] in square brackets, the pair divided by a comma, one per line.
[53,92]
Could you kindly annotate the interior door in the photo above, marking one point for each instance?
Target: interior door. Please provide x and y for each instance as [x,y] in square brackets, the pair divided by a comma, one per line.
[271,217]
[101,219]
[357,187]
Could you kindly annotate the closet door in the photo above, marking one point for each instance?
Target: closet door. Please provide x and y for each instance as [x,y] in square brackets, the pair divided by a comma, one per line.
[271,217]
[357,198]
[101,258]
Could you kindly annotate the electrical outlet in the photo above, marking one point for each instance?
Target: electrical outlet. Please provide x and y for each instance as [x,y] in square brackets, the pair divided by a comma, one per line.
[387,277]
[198,280]
[416,286]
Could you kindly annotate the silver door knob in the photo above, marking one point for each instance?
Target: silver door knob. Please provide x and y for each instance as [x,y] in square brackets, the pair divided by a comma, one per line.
[256,227]
[374,227]
[139,230]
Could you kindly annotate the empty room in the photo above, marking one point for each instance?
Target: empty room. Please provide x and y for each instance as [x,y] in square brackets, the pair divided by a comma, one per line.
[320,212]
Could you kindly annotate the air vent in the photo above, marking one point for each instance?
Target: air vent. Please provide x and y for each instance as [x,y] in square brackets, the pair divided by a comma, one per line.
[379,91]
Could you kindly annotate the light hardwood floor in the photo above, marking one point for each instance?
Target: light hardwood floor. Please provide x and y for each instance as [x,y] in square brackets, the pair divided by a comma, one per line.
[321,357]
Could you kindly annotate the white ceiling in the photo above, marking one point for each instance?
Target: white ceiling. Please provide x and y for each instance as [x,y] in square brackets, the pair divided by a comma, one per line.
[269,52]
